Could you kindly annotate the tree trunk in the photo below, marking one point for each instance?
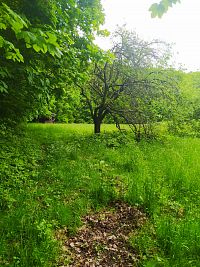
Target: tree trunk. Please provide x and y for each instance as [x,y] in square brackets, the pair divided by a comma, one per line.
[97,125]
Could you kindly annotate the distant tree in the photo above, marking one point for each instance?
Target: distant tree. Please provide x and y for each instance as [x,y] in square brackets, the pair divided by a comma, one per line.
[191,84]
[186,116]
[132,86]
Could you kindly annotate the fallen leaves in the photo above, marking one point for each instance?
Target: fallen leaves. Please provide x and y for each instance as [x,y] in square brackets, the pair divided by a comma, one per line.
[103,239]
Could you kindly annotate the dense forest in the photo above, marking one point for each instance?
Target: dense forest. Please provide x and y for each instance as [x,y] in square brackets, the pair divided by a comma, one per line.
[108,139]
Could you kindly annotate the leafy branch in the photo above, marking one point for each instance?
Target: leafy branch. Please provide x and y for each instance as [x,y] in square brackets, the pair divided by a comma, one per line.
[158,9]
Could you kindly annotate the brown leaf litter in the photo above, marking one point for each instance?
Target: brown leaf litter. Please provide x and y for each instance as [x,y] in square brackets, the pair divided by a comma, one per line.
[103,239]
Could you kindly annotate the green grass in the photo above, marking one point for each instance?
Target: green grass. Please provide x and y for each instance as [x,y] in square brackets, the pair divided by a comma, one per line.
[51,175]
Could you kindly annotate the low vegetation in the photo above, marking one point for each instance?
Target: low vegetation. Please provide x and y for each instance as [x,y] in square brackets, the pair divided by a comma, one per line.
[54,175]
[90,195]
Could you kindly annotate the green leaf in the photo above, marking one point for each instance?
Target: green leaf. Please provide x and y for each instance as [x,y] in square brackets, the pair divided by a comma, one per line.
[36,48]
[45,48]
[166,4]
[158,9]
[19,56]
[1,41]
[3,87]
[17,26]
[2,26]
[161,9]
[52,38]
[58,53]
[104,33]
[153,9]
[28,45]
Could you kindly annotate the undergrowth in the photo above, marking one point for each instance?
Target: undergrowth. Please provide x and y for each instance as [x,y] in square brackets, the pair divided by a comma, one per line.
[51,175]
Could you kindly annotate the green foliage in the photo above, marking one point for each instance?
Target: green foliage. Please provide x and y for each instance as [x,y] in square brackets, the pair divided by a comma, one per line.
[53,174]
[144,240]
[34,38]
[134,85]
[10,20]
[158,9]
[185,121]
[32,33]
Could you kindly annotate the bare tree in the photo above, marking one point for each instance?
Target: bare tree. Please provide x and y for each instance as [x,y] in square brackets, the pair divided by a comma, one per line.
[131,86]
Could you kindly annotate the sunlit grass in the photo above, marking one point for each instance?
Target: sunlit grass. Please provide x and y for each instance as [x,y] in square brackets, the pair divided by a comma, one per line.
[74,128]
[56,173]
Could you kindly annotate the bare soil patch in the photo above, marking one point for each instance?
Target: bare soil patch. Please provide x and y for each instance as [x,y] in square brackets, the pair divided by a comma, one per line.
[103,238]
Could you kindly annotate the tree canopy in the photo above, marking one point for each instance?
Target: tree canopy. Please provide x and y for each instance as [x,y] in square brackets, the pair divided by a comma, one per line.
[49,64]
[133,86]
[40,44]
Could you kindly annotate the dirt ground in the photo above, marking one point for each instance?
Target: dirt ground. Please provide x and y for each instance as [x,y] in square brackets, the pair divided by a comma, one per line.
[103,239]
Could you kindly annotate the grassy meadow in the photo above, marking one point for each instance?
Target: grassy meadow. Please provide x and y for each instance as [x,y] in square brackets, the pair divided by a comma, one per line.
[53,174]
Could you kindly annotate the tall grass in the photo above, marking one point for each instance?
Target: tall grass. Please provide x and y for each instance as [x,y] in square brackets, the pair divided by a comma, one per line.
[54,174]
[169,191]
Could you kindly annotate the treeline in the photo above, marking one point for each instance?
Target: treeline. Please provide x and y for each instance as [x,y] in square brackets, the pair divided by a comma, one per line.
[51,70]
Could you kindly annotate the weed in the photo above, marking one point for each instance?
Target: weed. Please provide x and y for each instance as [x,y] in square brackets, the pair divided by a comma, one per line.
[51,175]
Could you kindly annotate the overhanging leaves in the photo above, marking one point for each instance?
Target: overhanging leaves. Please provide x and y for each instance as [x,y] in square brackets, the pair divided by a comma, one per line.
[158,9]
